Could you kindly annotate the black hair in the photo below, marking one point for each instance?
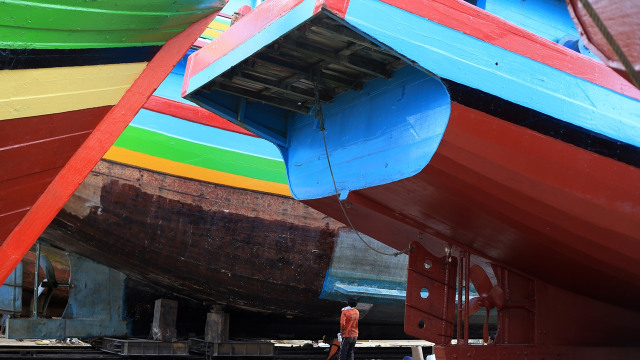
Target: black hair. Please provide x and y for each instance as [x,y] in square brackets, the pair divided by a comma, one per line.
[353,301]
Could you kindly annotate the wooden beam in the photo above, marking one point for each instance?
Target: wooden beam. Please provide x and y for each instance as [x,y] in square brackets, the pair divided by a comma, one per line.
[372,68]
[288,104]
[333,77]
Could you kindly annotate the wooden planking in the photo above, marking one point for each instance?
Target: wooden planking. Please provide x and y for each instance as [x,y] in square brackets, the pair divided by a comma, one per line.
[22,192]
[10,220]
[343,58]
[211,156]
[33,92]
[473,21]
[37,128]
[39,156]
[97,24]
[14,59]
[195,234]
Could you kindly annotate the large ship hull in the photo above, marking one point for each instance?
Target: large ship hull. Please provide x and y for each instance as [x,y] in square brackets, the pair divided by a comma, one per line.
[501,159]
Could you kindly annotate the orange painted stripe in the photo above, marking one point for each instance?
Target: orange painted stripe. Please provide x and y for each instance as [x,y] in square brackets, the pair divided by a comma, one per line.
[150,162]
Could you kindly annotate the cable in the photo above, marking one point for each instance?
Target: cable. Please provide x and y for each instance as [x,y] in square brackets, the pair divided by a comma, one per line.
[633,74]
[320,117]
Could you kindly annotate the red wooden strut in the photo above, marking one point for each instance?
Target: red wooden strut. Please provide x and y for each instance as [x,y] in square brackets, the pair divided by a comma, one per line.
[192,113]
[73,173]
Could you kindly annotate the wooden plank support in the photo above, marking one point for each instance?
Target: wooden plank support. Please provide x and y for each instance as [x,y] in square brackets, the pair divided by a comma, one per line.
[273,85]
[367,67]
[329,76]
[258,96]
[62,187]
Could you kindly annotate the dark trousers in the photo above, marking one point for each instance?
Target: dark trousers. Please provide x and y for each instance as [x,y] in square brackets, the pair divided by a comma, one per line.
[346,349]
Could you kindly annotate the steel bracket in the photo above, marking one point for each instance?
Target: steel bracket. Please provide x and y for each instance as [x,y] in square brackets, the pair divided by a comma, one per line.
[431,291]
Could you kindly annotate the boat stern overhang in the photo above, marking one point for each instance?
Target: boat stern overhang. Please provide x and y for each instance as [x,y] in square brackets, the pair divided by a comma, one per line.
[314,84]
[268,72]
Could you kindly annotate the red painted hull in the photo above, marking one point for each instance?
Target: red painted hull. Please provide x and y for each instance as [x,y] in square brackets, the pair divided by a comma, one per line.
[524,200]
[35,150]
[545,203]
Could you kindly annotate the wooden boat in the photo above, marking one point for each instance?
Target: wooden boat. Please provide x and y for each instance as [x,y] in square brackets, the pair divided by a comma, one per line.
[192,204]
[250,252]
[74,73]
[501,158]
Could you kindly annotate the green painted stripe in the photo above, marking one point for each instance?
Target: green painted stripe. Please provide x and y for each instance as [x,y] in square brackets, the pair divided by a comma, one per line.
[171,148]
[78,24]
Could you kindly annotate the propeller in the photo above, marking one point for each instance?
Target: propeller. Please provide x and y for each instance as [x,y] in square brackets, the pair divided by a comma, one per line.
[490,296]
[49,283]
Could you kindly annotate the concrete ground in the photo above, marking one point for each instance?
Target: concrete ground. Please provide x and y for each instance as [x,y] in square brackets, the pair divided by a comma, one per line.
[36,342]
[359,343]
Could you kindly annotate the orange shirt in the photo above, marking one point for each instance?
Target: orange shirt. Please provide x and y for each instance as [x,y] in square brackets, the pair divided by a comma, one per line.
[349,322]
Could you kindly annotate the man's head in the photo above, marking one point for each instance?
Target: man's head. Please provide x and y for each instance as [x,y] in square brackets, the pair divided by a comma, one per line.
[353,301]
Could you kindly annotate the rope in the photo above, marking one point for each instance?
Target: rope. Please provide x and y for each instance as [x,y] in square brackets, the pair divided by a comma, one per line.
[320,117]
[635,78]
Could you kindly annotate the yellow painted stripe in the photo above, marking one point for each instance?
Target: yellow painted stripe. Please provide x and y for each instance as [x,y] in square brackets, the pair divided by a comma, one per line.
[213,33]
[32,92]
[135,158]
[218,25]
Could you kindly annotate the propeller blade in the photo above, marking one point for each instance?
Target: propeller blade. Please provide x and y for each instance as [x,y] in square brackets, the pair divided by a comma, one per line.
[496,297]
[475,304]
[480,280]
[49,273]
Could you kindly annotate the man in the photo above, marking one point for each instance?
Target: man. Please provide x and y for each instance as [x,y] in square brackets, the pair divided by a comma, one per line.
[349,329]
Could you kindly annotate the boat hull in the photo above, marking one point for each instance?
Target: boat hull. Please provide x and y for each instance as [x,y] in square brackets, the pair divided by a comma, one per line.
[531,183]
[532,199]
[256,254]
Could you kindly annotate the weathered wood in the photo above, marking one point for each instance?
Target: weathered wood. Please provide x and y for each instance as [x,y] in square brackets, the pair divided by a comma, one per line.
[258,95]
[217,330]
[242,248]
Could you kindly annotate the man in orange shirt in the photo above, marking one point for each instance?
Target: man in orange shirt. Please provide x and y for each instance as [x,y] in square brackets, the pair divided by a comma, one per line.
[349,329]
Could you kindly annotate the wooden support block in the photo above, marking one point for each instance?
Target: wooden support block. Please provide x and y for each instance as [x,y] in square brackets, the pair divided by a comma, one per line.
[164,320]
[217,328]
